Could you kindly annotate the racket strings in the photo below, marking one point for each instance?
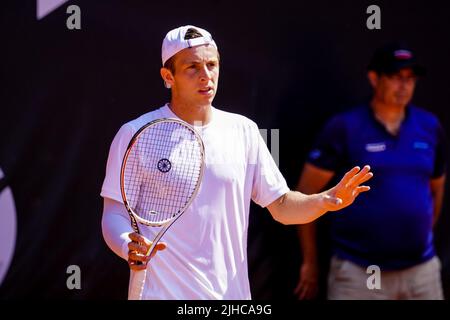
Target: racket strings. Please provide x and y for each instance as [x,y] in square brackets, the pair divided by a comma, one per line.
[162,171]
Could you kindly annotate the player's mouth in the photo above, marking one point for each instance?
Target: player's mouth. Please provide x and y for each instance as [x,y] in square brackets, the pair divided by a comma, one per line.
[207,91]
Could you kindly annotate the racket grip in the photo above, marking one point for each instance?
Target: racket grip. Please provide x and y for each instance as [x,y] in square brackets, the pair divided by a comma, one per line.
[136,285]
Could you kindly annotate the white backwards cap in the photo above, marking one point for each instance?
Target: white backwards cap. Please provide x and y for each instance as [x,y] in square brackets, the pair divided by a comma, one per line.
[175,41]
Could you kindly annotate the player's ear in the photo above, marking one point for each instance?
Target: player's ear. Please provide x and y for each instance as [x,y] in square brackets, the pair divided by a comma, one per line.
[373,78]
[167,76]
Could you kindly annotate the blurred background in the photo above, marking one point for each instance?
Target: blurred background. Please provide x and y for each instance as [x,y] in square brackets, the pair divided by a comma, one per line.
[288,65]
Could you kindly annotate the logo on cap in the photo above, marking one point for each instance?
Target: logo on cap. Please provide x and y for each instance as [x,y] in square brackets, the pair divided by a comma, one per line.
[403,54]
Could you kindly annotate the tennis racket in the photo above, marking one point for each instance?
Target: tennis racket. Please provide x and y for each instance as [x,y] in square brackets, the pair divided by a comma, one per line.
[160,176]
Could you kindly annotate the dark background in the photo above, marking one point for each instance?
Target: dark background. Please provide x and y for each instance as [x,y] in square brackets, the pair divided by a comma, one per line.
[287,65]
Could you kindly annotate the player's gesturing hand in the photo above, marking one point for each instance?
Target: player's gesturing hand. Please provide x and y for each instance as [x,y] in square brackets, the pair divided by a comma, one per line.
[346,191]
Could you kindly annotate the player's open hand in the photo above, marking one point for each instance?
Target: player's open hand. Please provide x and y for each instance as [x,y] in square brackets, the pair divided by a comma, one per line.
[138,251]
[346,191]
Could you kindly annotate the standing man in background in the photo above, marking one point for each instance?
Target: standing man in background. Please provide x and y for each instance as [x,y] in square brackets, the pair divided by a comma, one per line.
[392,226]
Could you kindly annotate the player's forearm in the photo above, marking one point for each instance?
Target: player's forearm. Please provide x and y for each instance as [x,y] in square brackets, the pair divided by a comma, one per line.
[298,208]
[115,229]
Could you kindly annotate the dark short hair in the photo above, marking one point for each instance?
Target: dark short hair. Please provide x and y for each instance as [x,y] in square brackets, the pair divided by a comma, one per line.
[191,33]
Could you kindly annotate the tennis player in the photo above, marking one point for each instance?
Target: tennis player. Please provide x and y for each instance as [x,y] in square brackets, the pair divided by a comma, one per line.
[206,256]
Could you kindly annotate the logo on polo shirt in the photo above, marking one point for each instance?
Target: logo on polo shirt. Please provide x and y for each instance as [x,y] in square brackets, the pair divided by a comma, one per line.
[421,145]
[376,147]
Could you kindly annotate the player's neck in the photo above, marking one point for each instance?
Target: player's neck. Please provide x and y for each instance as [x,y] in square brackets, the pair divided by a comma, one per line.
[198,115]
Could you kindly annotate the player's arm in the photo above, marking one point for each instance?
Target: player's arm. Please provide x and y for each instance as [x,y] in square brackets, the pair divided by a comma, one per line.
[298,208]
[120,237]
[437,190]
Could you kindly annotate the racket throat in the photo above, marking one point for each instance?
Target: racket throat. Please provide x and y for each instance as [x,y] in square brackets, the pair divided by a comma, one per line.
[159,236]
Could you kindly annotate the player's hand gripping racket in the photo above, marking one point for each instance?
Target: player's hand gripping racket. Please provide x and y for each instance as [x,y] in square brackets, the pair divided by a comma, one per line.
[160,176]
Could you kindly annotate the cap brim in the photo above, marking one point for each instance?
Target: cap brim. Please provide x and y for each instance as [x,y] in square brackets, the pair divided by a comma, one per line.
[416,68]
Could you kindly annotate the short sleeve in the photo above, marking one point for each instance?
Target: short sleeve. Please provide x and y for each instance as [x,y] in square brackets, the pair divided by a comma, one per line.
[111,183]
[328,151]
[440,161]
[268,182]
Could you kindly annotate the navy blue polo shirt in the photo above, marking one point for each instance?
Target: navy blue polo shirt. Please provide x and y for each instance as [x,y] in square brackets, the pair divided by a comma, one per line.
[391,225]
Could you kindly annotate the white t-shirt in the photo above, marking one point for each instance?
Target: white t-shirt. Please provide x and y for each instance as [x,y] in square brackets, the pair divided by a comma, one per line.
[206,255]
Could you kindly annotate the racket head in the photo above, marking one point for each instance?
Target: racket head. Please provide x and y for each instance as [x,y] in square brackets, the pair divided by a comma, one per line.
[161,171]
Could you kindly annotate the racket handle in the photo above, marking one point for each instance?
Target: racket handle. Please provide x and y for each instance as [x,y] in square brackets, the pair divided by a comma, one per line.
[136,286]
